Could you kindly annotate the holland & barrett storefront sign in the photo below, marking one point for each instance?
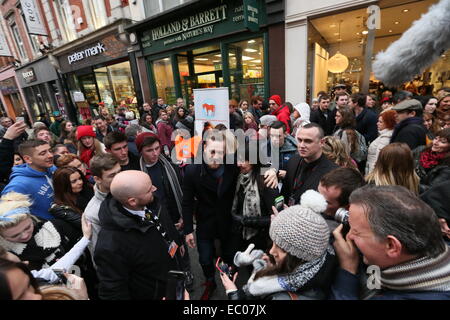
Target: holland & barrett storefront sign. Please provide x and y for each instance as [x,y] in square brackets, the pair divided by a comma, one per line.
[204,24]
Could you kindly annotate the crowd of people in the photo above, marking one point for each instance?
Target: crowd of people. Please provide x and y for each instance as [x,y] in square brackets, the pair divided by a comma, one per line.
[312,198]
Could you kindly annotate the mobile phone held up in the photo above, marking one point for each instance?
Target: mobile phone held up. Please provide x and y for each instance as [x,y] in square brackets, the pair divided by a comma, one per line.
[60,274]
[279,203]
[175,285]
[224,268]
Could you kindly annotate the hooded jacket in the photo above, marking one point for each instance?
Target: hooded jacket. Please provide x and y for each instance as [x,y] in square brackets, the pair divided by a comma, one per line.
[38,185]
[131,255]
[282,113]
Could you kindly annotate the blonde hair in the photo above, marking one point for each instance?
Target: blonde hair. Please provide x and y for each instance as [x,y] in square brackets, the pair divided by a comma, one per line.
[250,115]
[334,149]
[13,200]
[395,167]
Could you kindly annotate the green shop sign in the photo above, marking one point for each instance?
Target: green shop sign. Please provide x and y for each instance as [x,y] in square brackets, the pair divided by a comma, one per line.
[224,18]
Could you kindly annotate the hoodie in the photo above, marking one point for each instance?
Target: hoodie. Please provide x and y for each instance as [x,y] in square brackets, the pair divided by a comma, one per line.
[282,113]
[38,185]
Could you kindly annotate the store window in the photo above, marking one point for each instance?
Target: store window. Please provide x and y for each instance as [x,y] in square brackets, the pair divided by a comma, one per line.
[246,64]
[89,88]
[65,19]
[163,75]
[346,34]
[122,82]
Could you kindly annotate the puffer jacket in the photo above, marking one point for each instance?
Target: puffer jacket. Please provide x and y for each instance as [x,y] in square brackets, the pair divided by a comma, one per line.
[67,214]
[375,148]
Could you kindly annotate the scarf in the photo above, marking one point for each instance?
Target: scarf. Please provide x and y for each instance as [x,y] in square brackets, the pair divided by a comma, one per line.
[172,177]
[86,156]
[423,274]
[251,206]
[429,159]
[42,250]
[291,282]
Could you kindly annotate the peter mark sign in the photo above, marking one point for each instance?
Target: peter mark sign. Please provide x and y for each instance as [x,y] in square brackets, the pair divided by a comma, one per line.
[80,55]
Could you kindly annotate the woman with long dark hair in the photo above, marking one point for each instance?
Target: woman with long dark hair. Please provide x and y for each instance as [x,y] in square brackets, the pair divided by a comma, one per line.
[433,163]
[72,194]
[252,204]
[354,142]
[147,123]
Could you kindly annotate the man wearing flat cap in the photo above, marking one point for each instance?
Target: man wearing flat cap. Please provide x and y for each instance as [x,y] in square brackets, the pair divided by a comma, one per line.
[409,128]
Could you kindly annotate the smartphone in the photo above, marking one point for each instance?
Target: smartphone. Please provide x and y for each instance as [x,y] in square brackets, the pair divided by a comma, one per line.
[223,267]
[18,119]
[60,275]
[279,203]
[175,285]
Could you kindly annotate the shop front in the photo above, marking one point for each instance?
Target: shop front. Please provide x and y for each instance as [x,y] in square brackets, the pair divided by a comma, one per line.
[43,90]
[11,95]
[97,69]
[341,46]
[222,44]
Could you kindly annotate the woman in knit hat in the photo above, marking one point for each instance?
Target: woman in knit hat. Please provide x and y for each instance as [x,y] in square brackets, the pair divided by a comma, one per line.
[88,145]
[301,262]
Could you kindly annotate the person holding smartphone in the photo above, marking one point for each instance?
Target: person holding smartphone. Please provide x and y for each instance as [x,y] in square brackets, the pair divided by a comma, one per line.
[301,263]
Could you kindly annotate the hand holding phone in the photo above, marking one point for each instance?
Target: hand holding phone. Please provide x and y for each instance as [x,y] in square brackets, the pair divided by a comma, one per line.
[279,203]
[60,274]
[224,268]
[175,289]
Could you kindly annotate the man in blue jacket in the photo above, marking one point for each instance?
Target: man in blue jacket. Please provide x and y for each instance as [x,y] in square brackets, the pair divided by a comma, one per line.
[34,178]
[400,239]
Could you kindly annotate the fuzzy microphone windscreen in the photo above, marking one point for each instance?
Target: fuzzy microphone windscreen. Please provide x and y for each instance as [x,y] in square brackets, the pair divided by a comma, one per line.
[418,47]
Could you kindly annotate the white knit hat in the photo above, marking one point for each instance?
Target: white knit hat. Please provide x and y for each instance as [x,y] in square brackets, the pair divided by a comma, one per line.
[300,230]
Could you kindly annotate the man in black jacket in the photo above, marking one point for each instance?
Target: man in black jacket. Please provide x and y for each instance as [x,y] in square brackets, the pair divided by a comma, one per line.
[213,184]
[305,169]
[409,128]
[137,244]
[323,116]
[366,119]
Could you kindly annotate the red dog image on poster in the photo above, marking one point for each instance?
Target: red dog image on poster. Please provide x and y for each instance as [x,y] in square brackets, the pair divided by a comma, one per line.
[209,108]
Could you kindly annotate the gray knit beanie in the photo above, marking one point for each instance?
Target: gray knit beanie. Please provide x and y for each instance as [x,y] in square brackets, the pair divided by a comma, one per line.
[300,230]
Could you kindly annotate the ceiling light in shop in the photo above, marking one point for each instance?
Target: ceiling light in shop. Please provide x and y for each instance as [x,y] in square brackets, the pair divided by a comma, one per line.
[405,10]
[245,58]
[251,41]
[390,31]
[332,25]
[257,61]
[216,60]
[396,22]
[217,55]
[231,54]
[166,59]
[365,32]
[336,33]
[201,59]
[357,33]
[337,63]
[251,50]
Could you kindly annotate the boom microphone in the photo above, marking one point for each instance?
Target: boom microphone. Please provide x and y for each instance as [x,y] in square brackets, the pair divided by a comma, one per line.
[417,48]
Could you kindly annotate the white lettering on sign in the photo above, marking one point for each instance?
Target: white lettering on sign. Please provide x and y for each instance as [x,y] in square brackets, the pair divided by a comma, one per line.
[27,75]
[86,53]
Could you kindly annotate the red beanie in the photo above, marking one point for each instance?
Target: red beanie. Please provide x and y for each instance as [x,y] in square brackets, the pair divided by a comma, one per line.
[83,131]
[276,98]
[141,137]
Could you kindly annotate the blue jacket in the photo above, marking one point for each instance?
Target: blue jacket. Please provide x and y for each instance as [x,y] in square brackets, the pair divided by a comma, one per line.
[346,287]
[36,184]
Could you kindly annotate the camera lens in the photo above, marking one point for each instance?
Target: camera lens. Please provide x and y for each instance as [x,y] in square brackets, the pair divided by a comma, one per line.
[341,216]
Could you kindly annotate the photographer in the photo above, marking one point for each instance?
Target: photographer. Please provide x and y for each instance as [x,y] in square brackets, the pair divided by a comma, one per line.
[398,233]
[336,187]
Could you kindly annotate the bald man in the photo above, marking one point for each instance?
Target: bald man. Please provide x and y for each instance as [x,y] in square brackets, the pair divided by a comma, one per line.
[137,244]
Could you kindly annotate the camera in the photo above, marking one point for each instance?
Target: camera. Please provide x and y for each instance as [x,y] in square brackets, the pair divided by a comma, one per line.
[341,216]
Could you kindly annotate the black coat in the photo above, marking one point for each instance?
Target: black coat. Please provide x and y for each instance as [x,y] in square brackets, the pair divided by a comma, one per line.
[410,131]
[214,202]
[317,170]
[131,255]
[437,197]
[437,175]
[366,124]
[67,214]
[327,123]
[6,159]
